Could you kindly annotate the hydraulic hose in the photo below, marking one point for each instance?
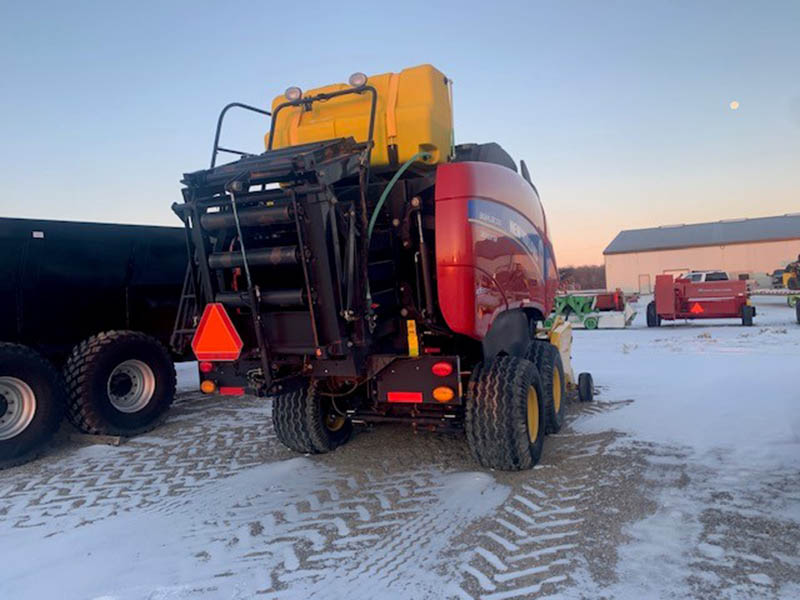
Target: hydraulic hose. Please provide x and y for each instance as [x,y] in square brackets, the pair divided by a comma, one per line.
[382,200]
[388,188]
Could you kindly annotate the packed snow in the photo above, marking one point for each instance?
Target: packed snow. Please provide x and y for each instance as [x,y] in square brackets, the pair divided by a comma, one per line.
[715,387]
[681,480]
[725,399]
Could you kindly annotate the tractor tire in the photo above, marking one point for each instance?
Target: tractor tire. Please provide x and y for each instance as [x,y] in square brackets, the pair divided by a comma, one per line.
[504,414]
[547,359]
[793,283]
[797,311]
[585,387]
[305,421]
[653,320]
[32,402]
[119,383]
[747,315]
[591,322]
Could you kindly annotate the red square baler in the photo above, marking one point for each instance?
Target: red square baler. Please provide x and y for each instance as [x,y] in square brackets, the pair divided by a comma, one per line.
[683,299]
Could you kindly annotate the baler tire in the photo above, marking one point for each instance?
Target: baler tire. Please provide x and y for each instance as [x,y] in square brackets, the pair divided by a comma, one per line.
[299,419]
[547,359]
[24,370]
[91,369]
[747,315]
[496,414]
[585,387]
[653,320]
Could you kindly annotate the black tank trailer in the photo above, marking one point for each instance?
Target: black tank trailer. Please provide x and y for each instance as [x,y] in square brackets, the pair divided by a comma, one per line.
[86,314]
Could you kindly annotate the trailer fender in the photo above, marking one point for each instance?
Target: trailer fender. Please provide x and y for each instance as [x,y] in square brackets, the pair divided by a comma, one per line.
[509,334]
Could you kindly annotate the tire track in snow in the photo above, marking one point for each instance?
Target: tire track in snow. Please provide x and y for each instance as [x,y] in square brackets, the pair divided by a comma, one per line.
[201,441]
[342,528]
[403,558]
[534,542]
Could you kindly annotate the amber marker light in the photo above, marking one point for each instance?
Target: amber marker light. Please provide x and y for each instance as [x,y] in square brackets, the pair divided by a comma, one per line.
[443,394]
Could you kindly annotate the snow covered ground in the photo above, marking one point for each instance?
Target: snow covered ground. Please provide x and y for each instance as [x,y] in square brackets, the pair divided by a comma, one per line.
[720,405]
[682,480]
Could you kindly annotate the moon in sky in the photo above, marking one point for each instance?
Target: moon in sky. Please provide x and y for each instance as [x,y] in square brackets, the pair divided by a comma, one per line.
[734,105]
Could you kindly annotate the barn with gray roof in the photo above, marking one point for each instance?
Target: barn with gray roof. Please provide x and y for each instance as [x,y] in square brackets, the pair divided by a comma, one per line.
[745,248]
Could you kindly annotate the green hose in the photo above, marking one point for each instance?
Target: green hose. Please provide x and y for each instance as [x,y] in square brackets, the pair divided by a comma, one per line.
[388,188]
[382,199]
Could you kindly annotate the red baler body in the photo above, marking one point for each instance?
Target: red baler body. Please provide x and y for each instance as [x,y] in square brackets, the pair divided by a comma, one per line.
[682,299]
[493,252]
[608,301]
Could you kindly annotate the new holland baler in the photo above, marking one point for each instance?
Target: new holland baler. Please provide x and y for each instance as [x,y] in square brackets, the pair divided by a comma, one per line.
[365,269]
[683,299]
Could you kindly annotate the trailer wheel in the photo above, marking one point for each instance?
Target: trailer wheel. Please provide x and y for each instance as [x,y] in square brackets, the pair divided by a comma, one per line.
[585,387]
[590,322]
[547,359]
[653,320]
[505,414]
[119,383]
[747,315]
[306,421]
[31,403]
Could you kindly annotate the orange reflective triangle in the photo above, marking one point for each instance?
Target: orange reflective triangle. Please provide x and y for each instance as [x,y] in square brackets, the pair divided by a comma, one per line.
[696,308]
[216,338]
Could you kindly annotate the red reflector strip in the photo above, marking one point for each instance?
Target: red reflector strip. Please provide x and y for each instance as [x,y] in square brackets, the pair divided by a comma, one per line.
[409,397]
[231,391]
[226,356]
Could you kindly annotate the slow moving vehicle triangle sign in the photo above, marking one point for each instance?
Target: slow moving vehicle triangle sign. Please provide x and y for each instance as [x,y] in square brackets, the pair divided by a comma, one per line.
[696,308]
[216,338]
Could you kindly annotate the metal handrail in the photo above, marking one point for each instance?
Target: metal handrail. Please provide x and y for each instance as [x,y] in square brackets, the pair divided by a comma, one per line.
[217,147]
[307,102]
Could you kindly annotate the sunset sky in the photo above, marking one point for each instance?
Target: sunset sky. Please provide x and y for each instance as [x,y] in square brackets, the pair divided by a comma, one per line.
[622,110]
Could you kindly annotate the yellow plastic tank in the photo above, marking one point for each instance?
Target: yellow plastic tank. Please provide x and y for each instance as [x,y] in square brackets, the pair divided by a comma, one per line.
[413,114]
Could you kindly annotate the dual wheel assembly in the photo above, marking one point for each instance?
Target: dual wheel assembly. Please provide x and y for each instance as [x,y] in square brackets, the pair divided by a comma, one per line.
[114,383]
[511,403]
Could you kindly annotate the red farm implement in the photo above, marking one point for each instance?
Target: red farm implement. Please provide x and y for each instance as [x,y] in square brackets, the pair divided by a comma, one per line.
[683,299]
[384,275]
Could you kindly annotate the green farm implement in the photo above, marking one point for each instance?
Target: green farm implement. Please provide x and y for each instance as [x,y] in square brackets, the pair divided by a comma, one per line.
[593,310]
